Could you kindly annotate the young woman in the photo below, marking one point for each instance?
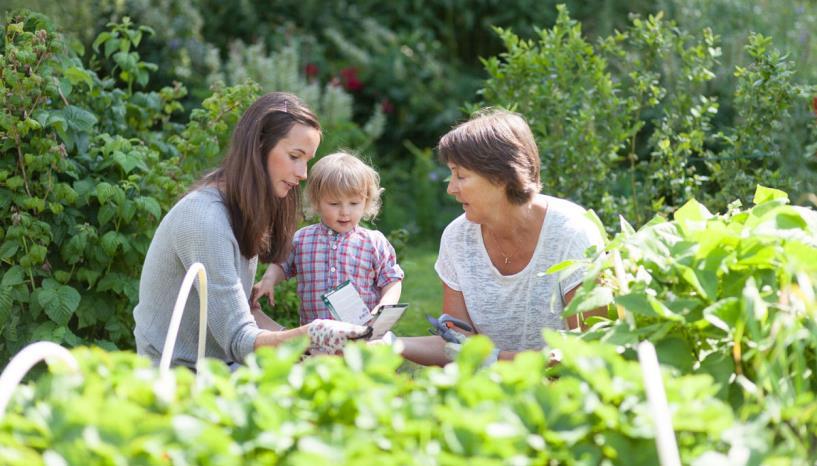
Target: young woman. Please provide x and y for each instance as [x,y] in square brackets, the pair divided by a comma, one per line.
[244,211]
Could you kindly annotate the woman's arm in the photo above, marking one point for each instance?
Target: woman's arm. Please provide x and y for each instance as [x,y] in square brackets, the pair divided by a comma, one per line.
[429,350]
[271,338]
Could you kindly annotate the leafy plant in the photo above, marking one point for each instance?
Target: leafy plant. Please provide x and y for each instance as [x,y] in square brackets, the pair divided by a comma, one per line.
[730,295]
[627,125]
[589,410]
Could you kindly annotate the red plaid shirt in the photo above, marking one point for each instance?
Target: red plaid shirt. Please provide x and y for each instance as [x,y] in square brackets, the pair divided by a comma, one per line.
[323,259]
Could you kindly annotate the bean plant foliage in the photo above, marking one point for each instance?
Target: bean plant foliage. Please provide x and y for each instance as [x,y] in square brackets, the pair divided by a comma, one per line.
[357,409]
[729,295]
[89,165]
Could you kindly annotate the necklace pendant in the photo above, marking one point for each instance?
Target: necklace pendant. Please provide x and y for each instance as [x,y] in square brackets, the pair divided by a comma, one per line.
[507,260]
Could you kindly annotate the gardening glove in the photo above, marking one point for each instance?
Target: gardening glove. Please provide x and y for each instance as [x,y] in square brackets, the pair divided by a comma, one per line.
[329,336]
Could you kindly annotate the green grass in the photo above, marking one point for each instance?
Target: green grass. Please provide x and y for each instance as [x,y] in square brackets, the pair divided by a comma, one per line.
[421,290]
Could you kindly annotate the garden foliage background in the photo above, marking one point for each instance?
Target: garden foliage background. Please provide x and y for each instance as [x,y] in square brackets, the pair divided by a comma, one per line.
[112,108]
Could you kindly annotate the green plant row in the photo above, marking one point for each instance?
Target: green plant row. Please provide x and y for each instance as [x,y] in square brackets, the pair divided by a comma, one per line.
[359,409]
[729,295]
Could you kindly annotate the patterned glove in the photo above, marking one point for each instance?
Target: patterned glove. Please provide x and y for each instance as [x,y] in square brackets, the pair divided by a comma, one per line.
[328,336]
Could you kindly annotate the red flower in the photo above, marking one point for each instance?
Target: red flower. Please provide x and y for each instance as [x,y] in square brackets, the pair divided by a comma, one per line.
[350,80]
[311,70]
[386,106]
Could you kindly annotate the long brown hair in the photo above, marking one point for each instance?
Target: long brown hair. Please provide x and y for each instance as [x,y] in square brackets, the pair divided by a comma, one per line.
[263,223]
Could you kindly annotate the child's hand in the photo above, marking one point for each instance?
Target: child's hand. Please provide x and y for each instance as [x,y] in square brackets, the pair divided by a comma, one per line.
[329,336]
[266,287]
[263,288]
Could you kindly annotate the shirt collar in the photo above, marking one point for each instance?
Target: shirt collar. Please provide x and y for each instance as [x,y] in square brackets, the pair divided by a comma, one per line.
[325,230]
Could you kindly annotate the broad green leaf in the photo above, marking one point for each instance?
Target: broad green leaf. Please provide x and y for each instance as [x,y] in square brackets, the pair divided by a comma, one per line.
[104,192]
[643,304]
[150,205]
[599,296]
[764,194]
[704,282]
[675,352]
[110,242]
[78,118]
[8,249]
[58,301]
[723,314]
[78,75]
[105,214]
[721,367]
[13,276]
[6,303]
[692,215]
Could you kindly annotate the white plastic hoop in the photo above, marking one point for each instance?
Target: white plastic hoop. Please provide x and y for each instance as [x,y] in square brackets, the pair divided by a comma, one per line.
[657,398]
[197,269]
[23,361]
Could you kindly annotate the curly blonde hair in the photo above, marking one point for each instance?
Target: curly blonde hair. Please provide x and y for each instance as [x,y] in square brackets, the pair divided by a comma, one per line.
[344,174]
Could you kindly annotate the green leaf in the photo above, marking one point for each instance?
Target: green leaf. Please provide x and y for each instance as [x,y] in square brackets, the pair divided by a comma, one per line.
[150,205]
[78,75]
[100,39]
[8,249]
[110,242]
[105,214]
[692,212]
[560,266]
[599,296]
[104,191]
[764,194]
[13,276]
[675,352]
[58,301]
[126,161]
[78,118]
[723,314]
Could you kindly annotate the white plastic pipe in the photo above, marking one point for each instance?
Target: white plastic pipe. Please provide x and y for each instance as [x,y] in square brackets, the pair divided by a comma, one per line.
[23,361]
[657,398]
[197,269]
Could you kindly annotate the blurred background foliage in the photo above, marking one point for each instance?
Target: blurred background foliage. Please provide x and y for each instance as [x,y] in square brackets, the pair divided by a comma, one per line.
[637,106]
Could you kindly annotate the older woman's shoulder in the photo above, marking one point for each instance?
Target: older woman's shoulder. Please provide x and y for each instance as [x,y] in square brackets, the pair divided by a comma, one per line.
[570,219]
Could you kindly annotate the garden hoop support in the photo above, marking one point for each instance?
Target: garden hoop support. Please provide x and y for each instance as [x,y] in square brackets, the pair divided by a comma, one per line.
[657,399]
[23,361]
[195,270]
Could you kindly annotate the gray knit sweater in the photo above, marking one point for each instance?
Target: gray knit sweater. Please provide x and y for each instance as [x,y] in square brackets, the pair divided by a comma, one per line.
[197,229]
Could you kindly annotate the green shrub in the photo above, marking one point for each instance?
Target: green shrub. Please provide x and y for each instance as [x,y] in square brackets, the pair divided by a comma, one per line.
[730,295]
[627,125]
[82,187]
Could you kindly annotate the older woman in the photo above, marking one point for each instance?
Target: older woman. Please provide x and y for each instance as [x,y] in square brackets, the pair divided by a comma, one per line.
[492,257]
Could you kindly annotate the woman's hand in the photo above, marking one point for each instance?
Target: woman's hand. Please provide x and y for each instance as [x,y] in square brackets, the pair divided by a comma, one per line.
[329,336]
[266,287]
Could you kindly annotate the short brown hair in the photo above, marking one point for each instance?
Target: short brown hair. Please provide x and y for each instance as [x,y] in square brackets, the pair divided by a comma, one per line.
[344,174]
[498,145]
[263,223]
